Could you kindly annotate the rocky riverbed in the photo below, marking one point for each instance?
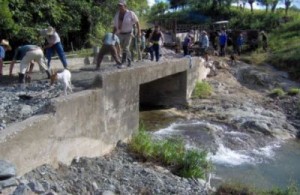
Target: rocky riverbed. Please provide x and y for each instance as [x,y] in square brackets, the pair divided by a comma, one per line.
[117,173]
[240,100]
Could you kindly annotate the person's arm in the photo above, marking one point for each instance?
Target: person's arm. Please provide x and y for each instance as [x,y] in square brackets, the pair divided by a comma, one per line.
[162,38]
[11,67]
[138,29]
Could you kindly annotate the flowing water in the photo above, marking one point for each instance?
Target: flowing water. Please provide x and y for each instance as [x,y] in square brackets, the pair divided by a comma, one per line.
[238,157]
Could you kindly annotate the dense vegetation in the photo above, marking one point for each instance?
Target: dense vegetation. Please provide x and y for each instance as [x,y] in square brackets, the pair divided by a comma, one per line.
[80,23]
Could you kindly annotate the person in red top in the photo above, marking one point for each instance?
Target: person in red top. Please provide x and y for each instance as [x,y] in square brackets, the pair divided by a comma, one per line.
[155,38]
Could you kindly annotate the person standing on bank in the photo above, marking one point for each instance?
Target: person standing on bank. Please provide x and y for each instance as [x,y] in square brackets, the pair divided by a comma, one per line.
[187,43]
[4,46]
[111,44]
[204,45]
[27,54]
[124,21]
[155,37]
[54,44]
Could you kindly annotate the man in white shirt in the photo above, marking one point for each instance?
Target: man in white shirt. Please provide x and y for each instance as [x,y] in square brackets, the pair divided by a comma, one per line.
[124,21]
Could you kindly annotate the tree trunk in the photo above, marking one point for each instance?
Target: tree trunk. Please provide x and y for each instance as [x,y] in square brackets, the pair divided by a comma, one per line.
[274,4]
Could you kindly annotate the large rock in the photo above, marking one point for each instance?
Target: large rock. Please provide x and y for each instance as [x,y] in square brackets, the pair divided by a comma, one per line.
[7,170]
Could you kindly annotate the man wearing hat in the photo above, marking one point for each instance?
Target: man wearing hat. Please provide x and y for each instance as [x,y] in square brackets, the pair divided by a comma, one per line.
[4,46]
[27,54]
[54,44]
[124,21]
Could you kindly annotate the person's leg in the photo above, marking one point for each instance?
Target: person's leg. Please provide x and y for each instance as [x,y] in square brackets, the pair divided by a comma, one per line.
[125,48]
[61,54]
[23,66]
[156,50]
[185,52]
[49,52]
[39,58]
[1,67]
[114,54]
[151,50]
[100,56]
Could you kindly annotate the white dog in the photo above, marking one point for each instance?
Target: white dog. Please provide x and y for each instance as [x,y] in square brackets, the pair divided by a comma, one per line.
[64,77]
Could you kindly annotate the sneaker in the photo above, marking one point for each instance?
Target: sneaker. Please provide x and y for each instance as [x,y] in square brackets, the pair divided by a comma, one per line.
[121,66]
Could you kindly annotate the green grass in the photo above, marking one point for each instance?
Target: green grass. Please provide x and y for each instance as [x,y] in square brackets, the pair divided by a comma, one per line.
[237,188]
[277,92]
[202,90]
[171,153]
[293,91]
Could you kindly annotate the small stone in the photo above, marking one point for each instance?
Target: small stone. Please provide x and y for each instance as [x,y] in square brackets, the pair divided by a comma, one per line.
[22,189]
[8,183]
[107,192]
[36,187]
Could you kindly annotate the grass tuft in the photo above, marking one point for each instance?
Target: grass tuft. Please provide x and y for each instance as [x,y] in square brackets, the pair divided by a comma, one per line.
[202,90]
[277,92]
[293,91]
[238,188]
[171,153]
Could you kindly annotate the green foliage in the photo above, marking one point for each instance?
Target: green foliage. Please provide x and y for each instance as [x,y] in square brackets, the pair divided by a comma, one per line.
[278,92]
[202,90]
[293,91]
[171,152]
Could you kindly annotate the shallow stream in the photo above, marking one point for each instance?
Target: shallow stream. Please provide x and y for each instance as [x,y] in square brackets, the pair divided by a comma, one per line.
[239,157]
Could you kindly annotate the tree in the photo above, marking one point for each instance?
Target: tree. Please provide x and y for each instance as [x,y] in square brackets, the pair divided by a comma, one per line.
[287,5]
[274,5]
[6,20]
[251,4]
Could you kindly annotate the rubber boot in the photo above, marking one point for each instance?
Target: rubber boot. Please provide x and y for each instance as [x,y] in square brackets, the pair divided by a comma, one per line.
[21,78]
[48,74]
[124,57]
[128,62]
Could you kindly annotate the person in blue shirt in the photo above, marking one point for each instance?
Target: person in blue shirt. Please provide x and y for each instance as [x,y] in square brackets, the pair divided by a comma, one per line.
[111,44]
[222,42]
[27,54]
[4,46]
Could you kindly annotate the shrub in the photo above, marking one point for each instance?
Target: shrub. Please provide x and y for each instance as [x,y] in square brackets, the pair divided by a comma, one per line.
[202,90]
[294,91]
[171,152]
[278,92]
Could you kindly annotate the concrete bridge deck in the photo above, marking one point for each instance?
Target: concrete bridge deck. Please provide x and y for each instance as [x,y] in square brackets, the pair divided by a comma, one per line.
[90,122]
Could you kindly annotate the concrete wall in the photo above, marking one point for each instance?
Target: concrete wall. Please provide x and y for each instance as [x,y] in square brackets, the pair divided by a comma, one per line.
[90,123]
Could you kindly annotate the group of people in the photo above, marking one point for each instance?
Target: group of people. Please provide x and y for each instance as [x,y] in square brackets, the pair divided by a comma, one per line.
[29,54]
[219,41]
[126,27]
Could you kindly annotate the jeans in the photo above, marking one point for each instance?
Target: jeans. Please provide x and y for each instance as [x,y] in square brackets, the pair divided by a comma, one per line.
[60,52]
[155,49]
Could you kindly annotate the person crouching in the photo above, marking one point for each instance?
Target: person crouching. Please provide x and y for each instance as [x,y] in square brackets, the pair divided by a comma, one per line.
[111,44]
[27,54]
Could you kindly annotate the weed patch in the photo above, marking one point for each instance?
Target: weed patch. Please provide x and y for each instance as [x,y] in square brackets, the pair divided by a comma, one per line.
[171,153]
[202,90]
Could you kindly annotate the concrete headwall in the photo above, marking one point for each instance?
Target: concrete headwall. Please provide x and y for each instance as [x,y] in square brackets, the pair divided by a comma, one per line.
[90,123]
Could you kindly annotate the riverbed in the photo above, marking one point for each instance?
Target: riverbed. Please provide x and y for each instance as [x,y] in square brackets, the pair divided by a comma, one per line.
[234,158]
[249,135]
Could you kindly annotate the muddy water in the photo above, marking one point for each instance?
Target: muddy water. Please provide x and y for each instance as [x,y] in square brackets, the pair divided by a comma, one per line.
[237,156]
